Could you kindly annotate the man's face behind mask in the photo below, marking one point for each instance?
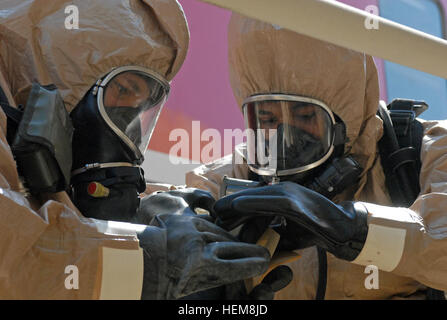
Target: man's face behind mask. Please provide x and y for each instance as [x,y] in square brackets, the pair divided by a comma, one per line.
[304,116]
[113,125]
[127,90]
[295,135]
[132,102]
[124,97]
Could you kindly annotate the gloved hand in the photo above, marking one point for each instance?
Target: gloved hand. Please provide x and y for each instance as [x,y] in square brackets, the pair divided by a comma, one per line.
[311,218]
[293,236]
[184,254]
[173,201]
[274,281]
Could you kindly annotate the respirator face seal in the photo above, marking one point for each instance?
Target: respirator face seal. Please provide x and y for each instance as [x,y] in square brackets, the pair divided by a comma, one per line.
[130,100]
[289,134]
[113,126]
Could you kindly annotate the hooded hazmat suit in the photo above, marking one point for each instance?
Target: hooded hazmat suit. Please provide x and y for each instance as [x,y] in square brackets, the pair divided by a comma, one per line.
[48,249]
[409,246]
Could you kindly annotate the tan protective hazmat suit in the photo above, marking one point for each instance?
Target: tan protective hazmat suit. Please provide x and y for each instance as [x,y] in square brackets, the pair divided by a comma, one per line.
[48,250]
[409,246]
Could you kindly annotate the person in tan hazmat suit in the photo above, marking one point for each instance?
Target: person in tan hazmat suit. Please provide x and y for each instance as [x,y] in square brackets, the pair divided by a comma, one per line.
[308,90]
[110,72]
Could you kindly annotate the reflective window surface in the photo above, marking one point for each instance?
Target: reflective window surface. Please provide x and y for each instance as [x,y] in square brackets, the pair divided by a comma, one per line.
[404,82]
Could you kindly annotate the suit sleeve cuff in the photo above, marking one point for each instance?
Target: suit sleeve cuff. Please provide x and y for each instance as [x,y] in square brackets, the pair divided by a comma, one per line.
[122,269]
[385,241]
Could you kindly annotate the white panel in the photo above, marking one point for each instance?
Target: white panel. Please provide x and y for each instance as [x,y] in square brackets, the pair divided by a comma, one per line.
[158,167]
[122,274]
[383,247]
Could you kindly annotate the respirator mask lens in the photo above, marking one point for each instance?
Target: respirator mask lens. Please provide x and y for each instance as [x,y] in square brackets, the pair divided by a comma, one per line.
[130,103]
[287,134]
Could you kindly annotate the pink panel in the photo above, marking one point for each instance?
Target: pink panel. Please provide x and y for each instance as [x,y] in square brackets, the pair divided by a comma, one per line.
[362,4]
[444,7]
[202,88]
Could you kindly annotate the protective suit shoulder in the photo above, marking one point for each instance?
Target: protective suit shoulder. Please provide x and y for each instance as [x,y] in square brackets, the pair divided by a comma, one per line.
[209,176]
[433,151]
[8,169]
[411,241]
[46,249]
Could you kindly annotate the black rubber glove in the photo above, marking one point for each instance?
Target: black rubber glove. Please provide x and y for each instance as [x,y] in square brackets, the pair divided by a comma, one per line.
[173,201]
[340,229]
[274,281]
[184,254]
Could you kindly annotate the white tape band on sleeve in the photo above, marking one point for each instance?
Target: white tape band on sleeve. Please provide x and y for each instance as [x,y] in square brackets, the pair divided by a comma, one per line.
[122,274]
[122,269]
[383,247]
[118,228]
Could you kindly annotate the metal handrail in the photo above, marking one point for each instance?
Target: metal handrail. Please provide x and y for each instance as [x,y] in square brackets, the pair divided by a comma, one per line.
[346,26]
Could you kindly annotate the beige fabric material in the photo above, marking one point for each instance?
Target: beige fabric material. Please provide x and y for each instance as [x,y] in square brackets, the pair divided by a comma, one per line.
[4,84]
[36,46]
[267,59]
[130,266]
[37,245]
[332,21]
[40,237]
